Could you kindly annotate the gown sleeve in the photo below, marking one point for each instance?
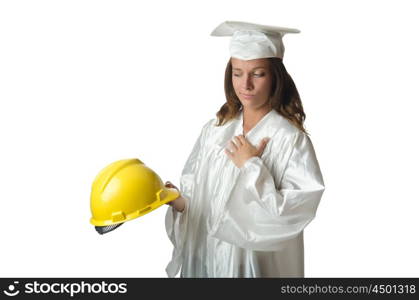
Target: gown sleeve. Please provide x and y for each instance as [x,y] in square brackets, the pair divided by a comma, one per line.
[258,215]
[176,222]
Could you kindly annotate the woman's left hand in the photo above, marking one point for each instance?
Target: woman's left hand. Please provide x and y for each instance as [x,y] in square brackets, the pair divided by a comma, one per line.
[242,150]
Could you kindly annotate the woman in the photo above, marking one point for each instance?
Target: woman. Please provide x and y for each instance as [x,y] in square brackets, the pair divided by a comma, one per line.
[252,181]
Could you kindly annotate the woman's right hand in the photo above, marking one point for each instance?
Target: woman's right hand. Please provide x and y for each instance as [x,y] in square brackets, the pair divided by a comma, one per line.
[178,203]
[171,185]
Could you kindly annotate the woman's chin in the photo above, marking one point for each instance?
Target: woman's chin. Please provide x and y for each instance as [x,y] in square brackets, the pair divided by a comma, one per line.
[250,103]
[253,105]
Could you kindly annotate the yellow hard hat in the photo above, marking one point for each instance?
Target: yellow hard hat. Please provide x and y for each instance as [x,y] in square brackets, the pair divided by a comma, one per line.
[125,190]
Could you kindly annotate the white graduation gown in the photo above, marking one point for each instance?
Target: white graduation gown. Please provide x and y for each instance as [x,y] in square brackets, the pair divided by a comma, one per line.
[248,221]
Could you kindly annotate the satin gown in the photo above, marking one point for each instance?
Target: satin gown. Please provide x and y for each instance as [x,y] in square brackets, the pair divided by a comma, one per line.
[248,221]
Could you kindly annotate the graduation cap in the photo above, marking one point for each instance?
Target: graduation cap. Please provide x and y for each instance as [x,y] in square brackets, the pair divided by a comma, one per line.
[252,41]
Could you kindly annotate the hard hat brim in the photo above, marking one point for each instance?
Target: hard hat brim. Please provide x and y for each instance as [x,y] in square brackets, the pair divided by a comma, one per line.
[167,195]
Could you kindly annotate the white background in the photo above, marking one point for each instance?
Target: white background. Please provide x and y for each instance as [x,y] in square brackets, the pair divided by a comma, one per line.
[85,83]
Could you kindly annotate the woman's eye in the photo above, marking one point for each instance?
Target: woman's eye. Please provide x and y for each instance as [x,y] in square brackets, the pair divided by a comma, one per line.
[254,74]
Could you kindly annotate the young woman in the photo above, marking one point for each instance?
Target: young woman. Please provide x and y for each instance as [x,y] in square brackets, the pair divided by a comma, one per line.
[252,182]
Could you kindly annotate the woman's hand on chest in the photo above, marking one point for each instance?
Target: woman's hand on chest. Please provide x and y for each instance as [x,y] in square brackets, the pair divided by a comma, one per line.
[239,149]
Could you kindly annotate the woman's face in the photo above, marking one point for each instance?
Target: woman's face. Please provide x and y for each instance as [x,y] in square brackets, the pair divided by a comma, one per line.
[252,82]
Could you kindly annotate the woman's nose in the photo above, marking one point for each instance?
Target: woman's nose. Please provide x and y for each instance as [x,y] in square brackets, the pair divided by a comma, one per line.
[247,82]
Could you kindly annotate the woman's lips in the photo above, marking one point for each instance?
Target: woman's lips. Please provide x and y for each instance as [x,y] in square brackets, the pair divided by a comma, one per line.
[247,96]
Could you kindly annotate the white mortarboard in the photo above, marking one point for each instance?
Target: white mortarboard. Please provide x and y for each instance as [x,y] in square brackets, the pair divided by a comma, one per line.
[252,41]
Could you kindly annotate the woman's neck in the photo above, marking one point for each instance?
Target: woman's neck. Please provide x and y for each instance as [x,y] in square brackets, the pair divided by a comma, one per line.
[252,117]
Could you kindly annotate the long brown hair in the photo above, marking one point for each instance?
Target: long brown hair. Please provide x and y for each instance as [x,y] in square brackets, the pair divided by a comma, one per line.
[284,98]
